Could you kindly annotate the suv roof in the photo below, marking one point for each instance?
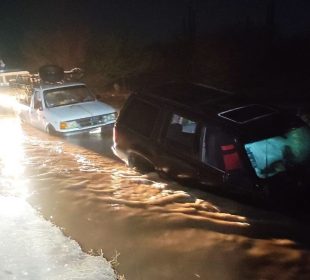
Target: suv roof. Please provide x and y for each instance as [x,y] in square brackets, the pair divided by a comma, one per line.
[188,94]
[230,109]
[247,113]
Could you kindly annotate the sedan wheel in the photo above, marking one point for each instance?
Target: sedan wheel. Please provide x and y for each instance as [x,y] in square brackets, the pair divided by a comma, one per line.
[50,130]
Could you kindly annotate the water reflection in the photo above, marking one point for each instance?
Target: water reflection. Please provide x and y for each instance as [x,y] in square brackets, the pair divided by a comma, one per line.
[160,229]
[13,181]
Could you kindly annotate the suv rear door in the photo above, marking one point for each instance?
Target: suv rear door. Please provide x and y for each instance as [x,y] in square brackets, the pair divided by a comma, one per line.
[223,160]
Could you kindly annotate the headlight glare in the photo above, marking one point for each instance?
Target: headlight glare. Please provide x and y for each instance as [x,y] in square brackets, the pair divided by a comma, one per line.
[69,125]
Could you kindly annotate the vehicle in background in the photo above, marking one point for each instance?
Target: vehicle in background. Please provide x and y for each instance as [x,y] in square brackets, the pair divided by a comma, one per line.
[208,136]
[7,93]
[7,77]
[60,107]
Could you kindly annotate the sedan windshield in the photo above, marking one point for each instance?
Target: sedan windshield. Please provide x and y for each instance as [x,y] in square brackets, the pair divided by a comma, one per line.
[66,96]
[277,154]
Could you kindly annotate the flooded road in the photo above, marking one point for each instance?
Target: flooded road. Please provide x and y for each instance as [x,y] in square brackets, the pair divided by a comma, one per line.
[152,228]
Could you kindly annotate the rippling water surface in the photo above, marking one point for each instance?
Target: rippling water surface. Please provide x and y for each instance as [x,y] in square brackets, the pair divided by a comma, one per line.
[157,229]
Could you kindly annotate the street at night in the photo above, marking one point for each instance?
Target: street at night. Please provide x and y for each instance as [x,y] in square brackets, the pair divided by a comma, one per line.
[157,229]
[154,140]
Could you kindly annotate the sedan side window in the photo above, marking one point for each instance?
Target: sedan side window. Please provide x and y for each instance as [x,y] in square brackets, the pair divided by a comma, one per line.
[37,102]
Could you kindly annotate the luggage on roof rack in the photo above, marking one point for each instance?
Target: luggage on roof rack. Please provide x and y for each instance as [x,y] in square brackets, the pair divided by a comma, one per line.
[48,74]
[51,73]
[56,74]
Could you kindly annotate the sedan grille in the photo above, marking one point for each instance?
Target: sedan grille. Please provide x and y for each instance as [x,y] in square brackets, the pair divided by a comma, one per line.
[97,120]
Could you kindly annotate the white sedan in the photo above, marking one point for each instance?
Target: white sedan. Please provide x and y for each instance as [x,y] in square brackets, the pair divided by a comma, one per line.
[65,108]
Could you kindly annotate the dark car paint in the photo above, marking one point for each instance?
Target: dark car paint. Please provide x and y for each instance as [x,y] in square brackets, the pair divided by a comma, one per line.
[168,158]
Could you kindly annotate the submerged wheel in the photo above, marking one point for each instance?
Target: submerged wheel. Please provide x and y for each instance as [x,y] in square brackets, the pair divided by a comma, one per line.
[51,130]
[140,164]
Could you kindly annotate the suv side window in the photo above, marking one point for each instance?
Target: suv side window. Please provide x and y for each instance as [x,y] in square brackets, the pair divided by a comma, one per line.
[140,116]
[182,133]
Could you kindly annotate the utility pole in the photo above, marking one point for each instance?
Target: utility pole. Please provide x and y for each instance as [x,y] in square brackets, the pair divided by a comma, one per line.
[270,22]
[189,38]
[190,22]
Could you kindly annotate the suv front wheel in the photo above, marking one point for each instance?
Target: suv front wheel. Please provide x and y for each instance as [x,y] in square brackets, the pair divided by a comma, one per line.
[140,164]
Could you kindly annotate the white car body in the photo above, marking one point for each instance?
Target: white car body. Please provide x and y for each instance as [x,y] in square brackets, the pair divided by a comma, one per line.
[65,118]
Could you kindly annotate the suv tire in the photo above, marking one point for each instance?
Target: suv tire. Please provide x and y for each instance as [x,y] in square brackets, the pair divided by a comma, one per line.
[140,164]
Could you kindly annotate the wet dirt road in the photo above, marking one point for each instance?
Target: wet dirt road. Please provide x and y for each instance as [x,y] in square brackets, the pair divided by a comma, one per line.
[158,229]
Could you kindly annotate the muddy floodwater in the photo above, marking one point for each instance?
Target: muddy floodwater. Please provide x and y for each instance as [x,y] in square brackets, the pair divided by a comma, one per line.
[152,228]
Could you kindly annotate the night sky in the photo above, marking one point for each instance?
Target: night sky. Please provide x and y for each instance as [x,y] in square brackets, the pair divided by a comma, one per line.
[148,20]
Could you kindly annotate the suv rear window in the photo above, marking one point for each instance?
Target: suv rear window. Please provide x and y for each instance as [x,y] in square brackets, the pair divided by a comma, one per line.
[277,154]
[140,116]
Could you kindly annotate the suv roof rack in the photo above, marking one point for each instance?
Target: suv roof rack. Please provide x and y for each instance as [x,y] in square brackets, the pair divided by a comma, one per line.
[247,113]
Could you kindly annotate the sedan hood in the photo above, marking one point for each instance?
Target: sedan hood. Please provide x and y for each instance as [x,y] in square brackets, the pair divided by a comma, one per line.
[80,110]
[96,108]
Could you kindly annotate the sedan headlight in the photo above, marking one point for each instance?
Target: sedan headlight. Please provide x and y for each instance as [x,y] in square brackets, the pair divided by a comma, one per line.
[69,125]
[109,117]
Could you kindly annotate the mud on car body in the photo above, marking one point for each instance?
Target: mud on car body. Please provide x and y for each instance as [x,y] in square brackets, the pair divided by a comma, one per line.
[206,135]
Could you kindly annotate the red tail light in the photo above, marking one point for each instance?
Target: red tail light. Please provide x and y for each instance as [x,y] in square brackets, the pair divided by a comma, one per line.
[230,157]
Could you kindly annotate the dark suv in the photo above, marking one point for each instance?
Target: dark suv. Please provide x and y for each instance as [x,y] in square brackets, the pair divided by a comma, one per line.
[209,136]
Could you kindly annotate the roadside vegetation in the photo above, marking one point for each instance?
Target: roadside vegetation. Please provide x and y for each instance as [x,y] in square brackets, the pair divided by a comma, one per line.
[249,58]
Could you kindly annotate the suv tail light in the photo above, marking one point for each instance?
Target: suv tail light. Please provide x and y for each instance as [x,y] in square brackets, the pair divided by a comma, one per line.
[230,157]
